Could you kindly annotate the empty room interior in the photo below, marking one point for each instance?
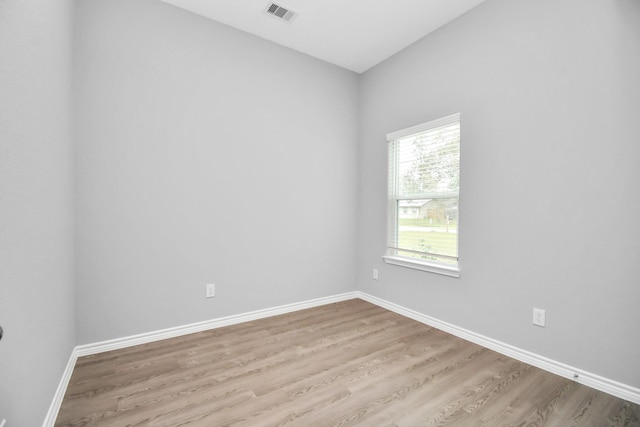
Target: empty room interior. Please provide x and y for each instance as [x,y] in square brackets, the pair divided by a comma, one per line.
[151,148]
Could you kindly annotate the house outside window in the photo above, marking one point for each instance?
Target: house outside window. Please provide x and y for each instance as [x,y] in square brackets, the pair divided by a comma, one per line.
[423,200]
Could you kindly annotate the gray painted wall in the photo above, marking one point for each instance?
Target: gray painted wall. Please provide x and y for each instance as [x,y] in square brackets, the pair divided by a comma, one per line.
[36,211]
[549,97]
[205,155]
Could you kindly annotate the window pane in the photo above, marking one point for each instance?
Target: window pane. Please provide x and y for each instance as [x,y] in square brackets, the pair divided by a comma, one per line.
[428,225]
[429,162]
[424,182]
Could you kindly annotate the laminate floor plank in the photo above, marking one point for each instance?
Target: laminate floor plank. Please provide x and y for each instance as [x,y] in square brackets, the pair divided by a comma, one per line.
[345,364]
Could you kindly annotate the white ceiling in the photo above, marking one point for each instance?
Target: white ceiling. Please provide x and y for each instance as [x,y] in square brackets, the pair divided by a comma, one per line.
[353,34]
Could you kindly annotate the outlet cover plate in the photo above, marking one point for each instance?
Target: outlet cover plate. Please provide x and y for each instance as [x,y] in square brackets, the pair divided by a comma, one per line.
[538,317]
[211,290]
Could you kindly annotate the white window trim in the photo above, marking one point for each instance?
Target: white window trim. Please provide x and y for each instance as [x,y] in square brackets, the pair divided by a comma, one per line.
[414,263]
[424,126]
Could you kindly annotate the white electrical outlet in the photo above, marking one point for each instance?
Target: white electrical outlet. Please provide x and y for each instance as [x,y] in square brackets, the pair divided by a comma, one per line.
[211,290]
[538,317]
[375,274]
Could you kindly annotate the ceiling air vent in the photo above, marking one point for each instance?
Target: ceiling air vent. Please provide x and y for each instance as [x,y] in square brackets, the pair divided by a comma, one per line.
[280,12]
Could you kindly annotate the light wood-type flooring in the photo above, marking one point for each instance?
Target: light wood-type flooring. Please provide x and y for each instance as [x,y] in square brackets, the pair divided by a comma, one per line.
[345,364]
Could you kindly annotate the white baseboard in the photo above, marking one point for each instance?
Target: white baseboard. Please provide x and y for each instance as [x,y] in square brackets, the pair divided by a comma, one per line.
[118,343]
[615,388]
[52,413]
[597,382]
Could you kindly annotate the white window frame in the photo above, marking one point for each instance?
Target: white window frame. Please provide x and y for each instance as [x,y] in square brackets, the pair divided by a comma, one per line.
[391,256]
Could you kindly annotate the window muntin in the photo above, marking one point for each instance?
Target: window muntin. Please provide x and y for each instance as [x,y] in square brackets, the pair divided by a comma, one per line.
[424,186]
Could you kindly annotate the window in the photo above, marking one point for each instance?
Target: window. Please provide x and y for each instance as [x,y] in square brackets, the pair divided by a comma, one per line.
[424,184]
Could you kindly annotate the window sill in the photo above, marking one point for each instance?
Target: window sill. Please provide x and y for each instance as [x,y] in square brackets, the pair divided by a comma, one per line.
[421,265]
